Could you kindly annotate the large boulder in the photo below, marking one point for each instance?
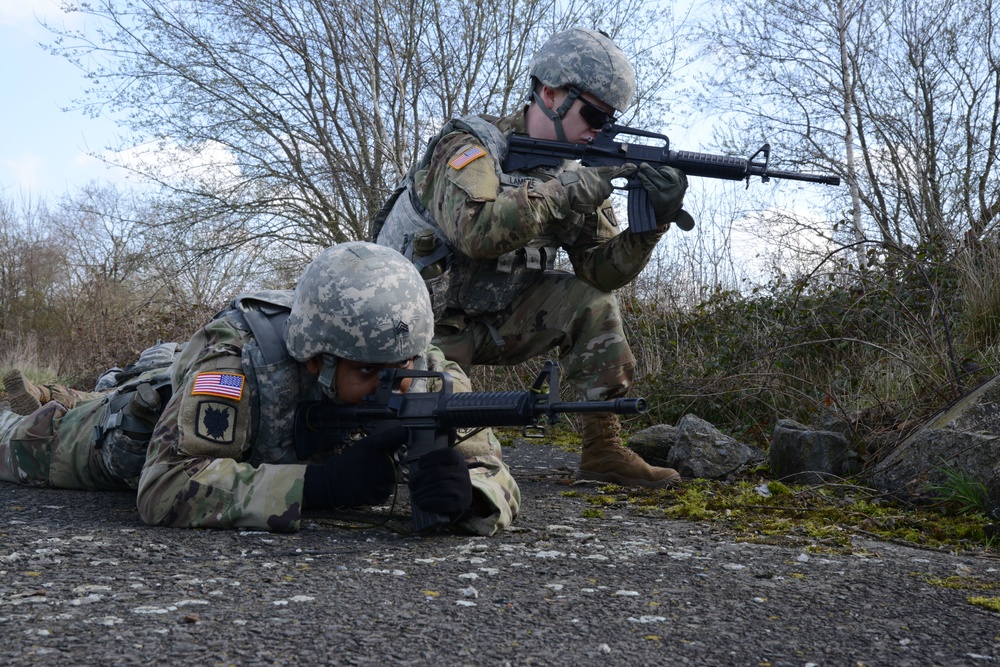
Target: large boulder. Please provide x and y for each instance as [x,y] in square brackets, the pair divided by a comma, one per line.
[701,450]
[963,437]
[654,443]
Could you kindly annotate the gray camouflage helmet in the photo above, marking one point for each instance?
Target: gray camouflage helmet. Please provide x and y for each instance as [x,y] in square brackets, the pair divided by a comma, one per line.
[362,302]
[589,61]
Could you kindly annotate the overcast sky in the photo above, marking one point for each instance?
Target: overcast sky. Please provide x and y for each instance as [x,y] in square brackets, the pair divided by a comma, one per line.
[43,150]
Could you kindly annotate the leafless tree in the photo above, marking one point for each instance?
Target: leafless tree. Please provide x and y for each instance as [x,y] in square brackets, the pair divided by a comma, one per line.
[31,260]
[292,120]
[901,98]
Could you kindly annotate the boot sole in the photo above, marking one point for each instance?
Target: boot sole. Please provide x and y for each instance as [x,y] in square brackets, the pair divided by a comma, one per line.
[613,478]
[21,401]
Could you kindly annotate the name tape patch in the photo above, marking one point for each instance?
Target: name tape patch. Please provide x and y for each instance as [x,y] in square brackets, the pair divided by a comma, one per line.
[224,385]
[470,154]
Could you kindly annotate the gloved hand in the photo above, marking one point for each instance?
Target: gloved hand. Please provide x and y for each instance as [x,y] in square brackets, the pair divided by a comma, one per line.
[440,484]
[588,187]
[362,475]
[666,187]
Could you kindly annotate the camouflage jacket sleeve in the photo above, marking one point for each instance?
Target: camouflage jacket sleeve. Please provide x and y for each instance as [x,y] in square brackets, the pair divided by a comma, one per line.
[196,474]
[492,483]
[605,257]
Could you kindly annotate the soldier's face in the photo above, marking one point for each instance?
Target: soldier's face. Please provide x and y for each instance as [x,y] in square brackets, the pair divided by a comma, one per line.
[356,379]
[578,126]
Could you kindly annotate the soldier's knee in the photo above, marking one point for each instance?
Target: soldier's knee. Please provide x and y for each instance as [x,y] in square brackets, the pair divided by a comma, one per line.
[32,442]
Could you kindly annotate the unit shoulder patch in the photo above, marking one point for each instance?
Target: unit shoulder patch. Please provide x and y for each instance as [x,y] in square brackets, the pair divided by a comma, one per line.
[216,422]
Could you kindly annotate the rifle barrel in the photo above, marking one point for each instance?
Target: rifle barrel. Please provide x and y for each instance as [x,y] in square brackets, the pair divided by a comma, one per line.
[800,176]
[525,152]
[620,406]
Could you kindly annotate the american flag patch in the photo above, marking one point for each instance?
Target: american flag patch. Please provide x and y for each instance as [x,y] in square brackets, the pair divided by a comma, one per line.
[467,156]
[226,385]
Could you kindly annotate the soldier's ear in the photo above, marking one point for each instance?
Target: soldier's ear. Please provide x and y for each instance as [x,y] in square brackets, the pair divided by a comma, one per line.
[315,364]
[549,96]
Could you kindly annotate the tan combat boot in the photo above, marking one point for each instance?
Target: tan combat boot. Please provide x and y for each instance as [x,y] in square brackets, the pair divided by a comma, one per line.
[24,397]
[605,459]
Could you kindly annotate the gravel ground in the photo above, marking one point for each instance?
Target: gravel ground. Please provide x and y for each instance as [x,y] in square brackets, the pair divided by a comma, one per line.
[83,581]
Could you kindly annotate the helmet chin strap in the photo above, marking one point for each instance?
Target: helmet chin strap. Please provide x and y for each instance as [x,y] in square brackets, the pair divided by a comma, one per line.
[328,376]
[557,116]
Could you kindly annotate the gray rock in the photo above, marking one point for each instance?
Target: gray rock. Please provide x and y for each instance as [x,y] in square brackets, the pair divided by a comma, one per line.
[804,456]
[978,411]
[703,451]
[920,461]
[654,443]
[965,437]
[992,492]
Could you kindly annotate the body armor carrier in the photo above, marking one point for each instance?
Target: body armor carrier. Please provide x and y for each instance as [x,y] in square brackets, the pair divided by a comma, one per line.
[272,374]
[455,281]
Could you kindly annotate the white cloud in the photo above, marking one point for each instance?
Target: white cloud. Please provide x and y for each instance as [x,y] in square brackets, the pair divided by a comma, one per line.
[25,170]
[209,162]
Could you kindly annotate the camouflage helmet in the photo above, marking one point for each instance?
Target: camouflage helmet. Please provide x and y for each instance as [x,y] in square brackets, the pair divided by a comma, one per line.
[362,302]
[589,61]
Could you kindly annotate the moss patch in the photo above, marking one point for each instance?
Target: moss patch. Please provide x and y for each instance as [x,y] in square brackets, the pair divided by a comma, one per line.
[823,517]
[993,604]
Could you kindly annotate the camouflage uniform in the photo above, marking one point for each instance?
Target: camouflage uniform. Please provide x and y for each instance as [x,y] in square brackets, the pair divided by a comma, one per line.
[500,302]
[576,312]
[25,397]
[55,447]
[220,455]
[494,236]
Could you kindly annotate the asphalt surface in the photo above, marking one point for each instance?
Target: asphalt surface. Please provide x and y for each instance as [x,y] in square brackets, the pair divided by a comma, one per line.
[84,582]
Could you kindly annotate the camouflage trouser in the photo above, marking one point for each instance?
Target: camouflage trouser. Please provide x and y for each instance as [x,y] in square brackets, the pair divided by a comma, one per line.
[54,447]
[67,396]
[559,311]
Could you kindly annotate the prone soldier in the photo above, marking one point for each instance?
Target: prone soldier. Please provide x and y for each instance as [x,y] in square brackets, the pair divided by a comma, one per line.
[209,441]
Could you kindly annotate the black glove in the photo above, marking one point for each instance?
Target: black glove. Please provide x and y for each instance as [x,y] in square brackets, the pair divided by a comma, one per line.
[362,475]
[440,484]
[588,187]
[666,187]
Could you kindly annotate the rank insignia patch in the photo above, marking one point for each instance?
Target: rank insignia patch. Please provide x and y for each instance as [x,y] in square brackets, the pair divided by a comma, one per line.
[470,154]
[216,422]
[223,385]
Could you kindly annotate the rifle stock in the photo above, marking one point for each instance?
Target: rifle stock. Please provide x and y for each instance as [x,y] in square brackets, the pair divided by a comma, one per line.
[525,152]
[431,418]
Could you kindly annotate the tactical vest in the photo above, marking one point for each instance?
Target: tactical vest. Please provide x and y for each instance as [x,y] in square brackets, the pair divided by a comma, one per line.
[129,413]
[126,422]
[274,377]
[475,286]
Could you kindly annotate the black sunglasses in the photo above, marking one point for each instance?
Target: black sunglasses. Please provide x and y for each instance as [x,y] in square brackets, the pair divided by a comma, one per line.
[595,116]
